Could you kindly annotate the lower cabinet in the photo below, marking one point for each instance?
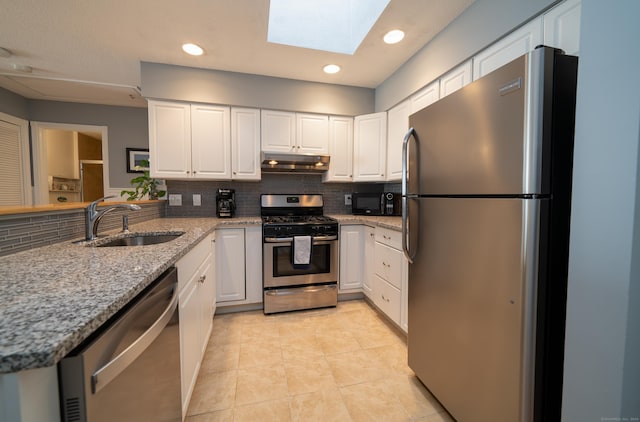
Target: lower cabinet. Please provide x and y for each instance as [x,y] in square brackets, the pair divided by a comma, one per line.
[196,300]
[351,254]
[239,266]
[368,260]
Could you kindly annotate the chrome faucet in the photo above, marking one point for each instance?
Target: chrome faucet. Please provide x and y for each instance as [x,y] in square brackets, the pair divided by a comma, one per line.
[92,217]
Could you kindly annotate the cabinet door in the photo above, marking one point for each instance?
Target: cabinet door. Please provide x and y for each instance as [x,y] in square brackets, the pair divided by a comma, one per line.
[368,273]
[370,145]
[230,265]
[278,131]
[206,292]
[210,142]
[351,254]
[562,26]
[245,144]
[190,351]
[312,133]
[425,97]
[456,79]
[508,49]
[397,126]
[169,140]
[340,149]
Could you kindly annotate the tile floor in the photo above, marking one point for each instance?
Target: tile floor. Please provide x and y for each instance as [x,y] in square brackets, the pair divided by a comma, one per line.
[337,364]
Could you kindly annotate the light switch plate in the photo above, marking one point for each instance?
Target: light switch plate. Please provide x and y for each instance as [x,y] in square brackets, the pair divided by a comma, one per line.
[197,200]
[175,199]
[347,199]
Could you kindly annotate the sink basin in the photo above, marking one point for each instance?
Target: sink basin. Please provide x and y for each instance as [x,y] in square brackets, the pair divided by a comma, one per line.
[140,239]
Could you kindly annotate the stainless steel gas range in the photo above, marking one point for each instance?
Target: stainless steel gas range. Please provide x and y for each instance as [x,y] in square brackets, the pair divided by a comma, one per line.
[300,253]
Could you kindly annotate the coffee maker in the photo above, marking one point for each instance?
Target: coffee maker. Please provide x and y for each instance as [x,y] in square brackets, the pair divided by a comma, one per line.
[225,203]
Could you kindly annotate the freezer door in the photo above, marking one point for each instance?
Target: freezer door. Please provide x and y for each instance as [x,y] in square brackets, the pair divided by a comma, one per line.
[476,141]
[471,297]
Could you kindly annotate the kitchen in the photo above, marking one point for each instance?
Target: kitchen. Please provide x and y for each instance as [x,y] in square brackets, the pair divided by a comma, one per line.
[592,386]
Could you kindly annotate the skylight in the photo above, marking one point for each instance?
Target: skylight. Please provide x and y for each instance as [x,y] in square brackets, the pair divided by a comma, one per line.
[337,26]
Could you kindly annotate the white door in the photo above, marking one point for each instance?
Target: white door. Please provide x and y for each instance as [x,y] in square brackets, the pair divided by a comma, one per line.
[210,142]
[278,131]
[169,140]
[245,144]
[368,261]
[397,126]
[340,150]
[370,147]
[230,265]
[312,133]
[456,79]
[351,254]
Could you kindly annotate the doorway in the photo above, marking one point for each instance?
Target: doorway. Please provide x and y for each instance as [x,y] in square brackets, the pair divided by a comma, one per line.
[91,180]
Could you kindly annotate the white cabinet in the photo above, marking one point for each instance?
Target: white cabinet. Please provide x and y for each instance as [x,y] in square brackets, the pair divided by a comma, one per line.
[456,79]
[239,266]
[189,141]
[245,144]
[425,97]
[514,45]
[397,126]
[230,265]
[370,146]
[340,150]
[368,260]
[196,284]
[562,26]
[351,257]
[294,132]
[391,268]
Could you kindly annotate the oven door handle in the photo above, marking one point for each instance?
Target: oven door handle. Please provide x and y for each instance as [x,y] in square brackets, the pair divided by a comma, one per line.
[290,239]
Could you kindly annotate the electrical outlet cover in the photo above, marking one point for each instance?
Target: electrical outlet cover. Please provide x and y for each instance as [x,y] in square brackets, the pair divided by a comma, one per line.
[197,200]
[175,199]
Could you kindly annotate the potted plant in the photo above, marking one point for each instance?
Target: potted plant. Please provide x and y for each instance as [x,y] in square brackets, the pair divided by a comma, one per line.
[144,185]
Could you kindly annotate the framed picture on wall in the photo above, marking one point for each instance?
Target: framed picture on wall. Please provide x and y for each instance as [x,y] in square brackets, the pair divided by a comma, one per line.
[137,160]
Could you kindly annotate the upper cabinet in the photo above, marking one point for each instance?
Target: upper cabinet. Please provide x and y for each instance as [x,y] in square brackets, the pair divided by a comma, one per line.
[294,132]
[562,27]
[340,150]
[397,126]
[456,79]
[425,97]
[370,147]
[195,141]
[508,49]
[245,143]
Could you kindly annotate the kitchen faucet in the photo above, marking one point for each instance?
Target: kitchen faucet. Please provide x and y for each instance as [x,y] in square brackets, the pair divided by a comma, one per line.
[92,217]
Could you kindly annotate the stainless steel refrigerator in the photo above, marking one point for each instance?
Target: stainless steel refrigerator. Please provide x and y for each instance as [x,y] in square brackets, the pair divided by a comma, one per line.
[486,196]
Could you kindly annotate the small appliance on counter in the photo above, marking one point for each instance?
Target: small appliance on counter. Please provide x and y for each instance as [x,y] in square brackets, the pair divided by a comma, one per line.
[225,203]
[376,203]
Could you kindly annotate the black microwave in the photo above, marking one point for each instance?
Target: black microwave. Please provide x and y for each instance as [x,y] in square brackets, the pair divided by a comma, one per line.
[386,203]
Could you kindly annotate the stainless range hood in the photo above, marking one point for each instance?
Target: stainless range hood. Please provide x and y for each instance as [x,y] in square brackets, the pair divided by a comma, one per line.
[273,162]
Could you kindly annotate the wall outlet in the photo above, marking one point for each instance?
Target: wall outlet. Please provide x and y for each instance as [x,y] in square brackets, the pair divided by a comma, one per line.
[197,200]
[175,199]
[347,199]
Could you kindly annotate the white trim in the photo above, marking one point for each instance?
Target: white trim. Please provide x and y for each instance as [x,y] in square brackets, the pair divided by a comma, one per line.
[40,190]
[26,156]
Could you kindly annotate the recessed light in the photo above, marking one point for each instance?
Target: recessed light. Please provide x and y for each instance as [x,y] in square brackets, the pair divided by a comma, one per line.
[193,49]
[331,68]
[394,36]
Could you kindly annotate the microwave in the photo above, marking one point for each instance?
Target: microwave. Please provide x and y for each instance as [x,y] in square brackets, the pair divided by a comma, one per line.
[385,203]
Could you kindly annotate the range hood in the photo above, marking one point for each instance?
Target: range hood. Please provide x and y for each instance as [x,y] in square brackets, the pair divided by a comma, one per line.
[274,162]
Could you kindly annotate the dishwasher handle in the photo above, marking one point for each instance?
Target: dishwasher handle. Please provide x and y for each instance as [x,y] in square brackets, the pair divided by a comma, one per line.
[103,376]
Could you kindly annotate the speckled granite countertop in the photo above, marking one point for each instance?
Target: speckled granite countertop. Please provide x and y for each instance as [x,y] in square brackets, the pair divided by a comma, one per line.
[393,223]
[54,297]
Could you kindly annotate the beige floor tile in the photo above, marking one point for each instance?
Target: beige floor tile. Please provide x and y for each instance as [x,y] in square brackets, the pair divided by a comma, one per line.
[373,401]
[218,416]
[269,411]
[225,331]
[413,396]
[307,376]
[259,353]
[213,391]
[259,332]
[437,417]
[261,383]
[326,406]
[220,357]
[355,367]
[338,341]
[301,348]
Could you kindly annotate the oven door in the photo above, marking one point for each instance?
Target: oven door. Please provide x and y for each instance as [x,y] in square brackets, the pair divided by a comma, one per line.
[278,269]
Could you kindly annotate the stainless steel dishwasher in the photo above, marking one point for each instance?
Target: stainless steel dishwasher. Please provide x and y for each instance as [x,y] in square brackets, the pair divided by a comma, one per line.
[130,369]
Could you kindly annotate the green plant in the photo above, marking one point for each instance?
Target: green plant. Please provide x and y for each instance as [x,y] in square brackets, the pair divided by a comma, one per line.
[143,185]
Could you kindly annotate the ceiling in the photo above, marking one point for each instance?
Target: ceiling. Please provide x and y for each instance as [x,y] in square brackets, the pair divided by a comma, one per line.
[90,50]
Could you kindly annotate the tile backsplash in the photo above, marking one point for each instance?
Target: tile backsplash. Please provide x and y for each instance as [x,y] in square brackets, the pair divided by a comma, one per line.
[248,193]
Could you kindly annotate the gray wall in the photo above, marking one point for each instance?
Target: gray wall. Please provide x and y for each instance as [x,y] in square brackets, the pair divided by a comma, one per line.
[481,24]
[127,127]
[164,81]
[602,355]
[14,104]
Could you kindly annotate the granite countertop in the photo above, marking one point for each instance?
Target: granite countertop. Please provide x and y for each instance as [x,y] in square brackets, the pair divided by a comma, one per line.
[392,223]
[54,297]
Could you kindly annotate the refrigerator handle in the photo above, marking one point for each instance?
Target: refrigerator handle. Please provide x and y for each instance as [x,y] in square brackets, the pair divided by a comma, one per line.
[405,204]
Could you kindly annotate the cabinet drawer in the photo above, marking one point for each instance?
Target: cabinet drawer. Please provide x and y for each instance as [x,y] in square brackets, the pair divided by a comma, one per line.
[388,264]
[387,298]
[189,264]
[389,237]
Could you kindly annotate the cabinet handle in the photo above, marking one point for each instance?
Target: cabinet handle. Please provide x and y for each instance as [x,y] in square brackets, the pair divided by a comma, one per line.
[202,278]
[235,172]
[188,172]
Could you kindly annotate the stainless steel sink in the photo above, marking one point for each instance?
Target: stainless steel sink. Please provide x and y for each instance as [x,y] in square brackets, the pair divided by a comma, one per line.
[140,239]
